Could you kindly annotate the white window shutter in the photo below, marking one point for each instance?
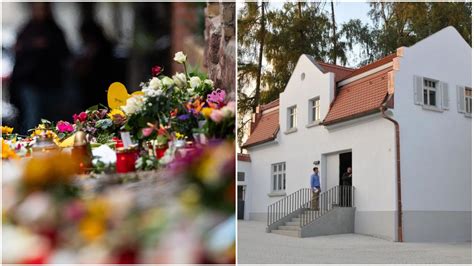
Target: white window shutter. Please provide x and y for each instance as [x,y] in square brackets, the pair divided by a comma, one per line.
[444,95]
[418,89]
[461,105]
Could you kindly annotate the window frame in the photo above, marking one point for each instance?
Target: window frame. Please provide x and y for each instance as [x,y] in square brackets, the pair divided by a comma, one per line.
[429,89]
[278,178]
[467,101]
[292,118]
[314,111]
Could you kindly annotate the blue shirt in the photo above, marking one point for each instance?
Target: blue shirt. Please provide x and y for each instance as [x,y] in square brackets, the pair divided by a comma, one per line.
[315,181]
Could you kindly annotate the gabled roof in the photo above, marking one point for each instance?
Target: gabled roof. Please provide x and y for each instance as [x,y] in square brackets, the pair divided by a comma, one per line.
[359,98]
[362,96]
[266,127]
[340,71]
[354,99]
[373,65]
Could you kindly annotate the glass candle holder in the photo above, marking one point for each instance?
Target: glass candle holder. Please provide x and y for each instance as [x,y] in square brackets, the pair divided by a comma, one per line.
[126,158]
[160,150]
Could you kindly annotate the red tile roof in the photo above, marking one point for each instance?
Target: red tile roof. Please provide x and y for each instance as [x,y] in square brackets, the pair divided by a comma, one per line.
[266,129]
[340,71]
[359,98]
[274,103]
[373,65]
[243,157]
[355,99]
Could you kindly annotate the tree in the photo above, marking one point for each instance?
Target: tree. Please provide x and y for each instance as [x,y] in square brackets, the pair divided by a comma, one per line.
[397,24]
[296,29]
[251,37]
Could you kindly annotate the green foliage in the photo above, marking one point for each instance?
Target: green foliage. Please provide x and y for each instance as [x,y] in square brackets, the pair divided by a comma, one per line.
[146,163]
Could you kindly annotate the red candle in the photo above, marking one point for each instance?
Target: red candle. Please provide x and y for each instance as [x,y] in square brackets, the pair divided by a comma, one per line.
[160,150]
[126,160]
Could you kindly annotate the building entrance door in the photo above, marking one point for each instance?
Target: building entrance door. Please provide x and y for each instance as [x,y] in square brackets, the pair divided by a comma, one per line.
[345,161]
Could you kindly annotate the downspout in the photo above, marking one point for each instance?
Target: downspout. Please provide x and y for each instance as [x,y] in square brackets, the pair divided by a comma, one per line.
[383,108]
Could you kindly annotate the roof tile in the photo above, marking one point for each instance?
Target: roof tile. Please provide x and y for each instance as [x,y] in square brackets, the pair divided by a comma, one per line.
[266,129]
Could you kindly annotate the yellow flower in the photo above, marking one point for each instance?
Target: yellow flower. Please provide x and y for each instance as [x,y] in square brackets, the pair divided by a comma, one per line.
[41,131]
[7,152]
[206,112]
[91,228]
[115,112]
[6,130]
[179,135]
[190,197]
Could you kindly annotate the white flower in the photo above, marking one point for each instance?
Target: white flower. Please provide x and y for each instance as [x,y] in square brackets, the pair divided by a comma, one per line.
[180,80]
[180,57]
[209,82]
[133,105]
[152,93]
[191,92]
[229,109]
[195,82]
[167,82]
[227,112]
[155,83]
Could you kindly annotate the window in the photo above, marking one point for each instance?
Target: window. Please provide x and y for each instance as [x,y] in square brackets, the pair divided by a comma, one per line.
[468,99]
[240,176]
[292,121]
[464,100]
[429,92]
[314,110]
[278,177]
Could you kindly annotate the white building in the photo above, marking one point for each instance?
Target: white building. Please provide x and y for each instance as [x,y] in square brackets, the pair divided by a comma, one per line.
[332,116]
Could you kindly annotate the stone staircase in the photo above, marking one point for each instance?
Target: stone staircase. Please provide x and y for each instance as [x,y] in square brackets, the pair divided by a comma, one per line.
[291,228]
[336,214]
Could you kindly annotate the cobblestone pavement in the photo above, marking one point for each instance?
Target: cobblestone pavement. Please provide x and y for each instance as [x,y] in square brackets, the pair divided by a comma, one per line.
[256,246]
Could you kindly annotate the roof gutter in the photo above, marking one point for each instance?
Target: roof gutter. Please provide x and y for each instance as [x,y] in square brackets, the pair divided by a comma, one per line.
[383,108]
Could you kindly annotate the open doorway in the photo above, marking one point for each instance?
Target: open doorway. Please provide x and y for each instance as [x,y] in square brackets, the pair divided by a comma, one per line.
[345,160]
[240,202]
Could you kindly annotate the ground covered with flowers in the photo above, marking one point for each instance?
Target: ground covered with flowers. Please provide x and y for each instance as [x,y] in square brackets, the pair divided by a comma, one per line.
[147,179]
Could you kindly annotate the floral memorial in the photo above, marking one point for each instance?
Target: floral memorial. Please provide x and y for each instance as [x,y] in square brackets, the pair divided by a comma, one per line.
[147,179]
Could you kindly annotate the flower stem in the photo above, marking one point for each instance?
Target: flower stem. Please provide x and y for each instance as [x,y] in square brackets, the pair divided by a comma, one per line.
[185,71]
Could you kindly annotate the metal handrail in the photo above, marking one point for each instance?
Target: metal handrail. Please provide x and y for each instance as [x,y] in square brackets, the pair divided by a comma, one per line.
[338,196]
[288,205]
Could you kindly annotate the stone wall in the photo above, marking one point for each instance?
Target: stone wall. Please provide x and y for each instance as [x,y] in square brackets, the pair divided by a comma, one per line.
[220,45]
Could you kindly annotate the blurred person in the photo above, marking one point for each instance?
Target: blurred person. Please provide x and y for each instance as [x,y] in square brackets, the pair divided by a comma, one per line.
[37,79]
[96,66]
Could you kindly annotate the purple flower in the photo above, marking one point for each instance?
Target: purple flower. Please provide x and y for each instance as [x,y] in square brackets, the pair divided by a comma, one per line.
[184,117]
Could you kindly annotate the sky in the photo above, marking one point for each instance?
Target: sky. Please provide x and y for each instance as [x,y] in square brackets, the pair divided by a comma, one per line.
[344,11]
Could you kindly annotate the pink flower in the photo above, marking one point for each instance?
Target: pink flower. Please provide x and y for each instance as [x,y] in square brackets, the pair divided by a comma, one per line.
[81,117]
[64,126]
[156,70]
[147,131]
[217,116]
[216,99]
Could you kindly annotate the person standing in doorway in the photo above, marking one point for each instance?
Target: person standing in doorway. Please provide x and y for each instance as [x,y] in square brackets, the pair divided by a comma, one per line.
[346,190]
[315,188]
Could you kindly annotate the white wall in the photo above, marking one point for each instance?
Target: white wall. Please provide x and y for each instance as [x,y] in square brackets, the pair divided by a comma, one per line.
[436,147]
[244,166]
[370,139]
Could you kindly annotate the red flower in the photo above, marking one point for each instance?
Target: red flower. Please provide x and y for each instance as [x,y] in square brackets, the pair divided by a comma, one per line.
[156,70]
[81,117]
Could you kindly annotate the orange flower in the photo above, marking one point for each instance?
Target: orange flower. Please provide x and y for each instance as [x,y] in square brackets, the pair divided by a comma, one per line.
[195,106]
[7,152]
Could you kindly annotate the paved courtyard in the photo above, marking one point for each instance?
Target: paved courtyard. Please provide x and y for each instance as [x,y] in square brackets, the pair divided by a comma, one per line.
[256,246]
